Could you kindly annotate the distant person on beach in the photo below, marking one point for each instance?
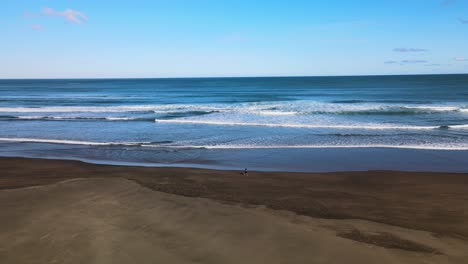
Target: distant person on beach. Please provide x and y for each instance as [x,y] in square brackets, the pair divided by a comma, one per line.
[245,172]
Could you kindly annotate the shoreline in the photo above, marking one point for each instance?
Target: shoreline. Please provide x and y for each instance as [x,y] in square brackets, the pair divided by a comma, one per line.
[308,160]
[210,167]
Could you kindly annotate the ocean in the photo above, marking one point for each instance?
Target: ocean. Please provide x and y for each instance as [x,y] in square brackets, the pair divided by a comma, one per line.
[415,122]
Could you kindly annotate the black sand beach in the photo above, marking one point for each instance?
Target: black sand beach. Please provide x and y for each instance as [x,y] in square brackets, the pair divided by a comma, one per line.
[401,217]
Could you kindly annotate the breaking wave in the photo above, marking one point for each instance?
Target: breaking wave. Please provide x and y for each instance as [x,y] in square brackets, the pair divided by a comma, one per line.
[72,142]
[227,147]
[318,126]
[268,109]
[170,145]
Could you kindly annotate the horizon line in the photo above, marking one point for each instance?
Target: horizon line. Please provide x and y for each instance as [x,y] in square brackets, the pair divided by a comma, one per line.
[229,77]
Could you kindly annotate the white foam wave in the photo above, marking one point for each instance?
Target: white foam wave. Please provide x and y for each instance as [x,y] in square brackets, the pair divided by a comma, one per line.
[121,118]
[277,113]
[71,142]
[459,126]
[277,108]
[435,108]
[149,144]
[76,117]
[369,127]
[71,109]
[108,109]
[427,147]
[31,117]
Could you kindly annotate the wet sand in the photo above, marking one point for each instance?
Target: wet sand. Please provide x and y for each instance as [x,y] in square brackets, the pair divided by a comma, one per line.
[73,212]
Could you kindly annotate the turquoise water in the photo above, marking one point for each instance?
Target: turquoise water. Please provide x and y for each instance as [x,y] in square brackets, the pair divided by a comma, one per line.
[233,121]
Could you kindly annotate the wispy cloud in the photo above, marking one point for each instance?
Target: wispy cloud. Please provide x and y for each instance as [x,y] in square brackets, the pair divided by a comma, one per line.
[337,25]
[432,65]
[403,62]
[37,27]
[463,21]
[460,59]
[413,61]
[408,50]
[70,15]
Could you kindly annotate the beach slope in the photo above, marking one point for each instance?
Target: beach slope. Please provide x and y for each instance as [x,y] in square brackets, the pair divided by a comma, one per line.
[72,212]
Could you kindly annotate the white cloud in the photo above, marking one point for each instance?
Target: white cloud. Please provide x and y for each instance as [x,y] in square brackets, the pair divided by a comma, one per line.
[408,50]
[402,62]
[37,27]
[460,59]
[70,15]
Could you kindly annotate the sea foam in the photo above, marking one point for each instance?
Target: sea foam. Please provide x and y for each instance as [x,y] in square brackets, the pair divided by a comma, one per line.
[315,126]
[71,142]
[167,145]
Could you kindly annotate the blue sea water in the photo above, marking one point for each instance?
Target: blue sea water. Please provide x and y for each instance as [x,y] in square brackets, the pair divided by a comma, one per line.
[280,123]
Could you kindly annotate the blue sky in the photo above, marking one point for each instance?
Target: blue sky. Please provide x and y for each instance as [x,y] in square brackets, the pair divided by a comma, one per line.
[173,38]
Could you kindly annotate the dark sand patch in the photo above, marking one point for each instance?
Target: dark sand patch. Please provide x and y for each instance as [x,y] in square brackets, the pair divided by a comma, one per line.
[388,240]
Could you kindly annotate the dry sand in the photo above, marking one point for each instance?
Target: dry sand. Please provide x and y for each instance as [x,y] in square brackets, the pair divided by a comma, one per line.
[108,214]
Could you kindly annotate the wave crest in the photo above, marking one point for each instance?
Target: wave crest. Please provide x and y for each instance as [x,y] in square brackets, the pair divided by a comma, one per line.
[281,108]
[367,127]
[169,145]
[72,142]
